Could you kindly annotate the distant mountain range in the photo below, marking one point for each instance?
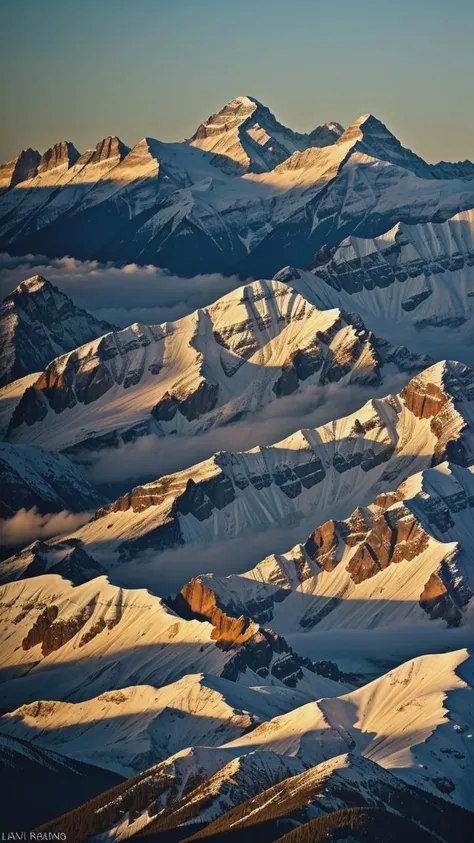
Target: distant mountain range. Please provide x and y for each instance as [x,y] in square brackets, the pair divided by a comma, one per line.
[244,194]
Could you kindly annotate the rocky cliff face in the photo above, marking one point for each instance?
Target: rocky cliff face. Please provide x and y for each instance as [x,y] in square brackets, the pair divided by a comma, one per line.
[62,154]
[235,494]
[38,323]
[19,169]
[262,651]
[410,274]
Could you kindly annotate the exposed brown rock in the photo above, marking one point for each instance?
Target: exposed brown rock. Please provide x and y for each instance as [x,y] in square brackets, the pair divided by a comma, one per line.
[423,399]
[255,647]
[388,542]
[40,627]
[321,545]
[436,601]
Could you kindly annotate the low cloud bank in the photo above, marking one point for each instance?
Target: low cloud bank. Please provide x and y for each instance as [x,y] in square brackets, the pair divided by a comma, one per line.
[151,457]
[165,573]
[27,526]
[121,295]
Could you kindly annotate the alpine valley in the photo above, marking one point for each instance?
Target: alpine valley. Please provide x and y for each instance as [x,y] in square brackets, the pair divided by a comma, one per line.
[237,567]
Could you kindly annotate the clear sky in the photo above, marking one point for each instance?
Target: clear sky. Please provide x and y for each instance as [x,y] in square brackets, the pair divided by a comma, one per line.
[82,69]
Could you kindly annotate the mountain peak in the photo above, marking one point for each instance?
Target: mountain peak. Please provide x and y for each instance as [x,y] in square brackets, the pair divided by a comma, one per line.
[367,134]
[245,136]
[21,168]
[361,127]
[110,147]
[63,153]
[38,322]
[31,285]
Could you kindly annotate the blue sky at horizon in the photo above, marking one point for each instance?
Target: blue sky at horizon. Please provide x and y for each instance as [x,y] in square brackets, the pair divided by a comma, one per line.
[81,71]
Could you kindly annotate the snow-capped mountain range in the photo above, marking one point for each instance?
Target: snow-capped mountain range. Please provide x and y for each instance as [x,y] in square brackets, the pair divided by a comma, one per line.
[319,758]
[175,644]
[219,365]
[243,194]
[65,642]
[407,555]
[33,477]
[239,494]
[416,277]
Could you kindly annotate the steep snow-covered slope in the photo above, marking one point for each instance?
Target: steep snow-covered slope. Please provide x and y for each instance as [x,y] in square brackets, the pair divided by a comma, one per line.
[409,729]
[331,786]
[32,477]
[240,780]
[72,782]
[244,136]
[236,494]
[415,720]
[132,806]
[421,276]
[363,184]
[405,559]
[144,204]
[61,642]
[133,728]
[57,187]
[37,323]
[220,364]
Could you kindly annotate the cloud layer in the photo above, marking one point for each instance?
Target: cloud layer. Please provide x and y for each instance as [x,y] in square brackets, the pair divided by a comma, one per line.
[121,295]
[28,525]
[151,457]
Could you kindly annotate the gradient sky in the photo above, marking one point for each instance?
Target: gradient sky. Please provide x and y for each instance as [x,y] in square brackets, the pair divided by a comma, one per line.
[85,69]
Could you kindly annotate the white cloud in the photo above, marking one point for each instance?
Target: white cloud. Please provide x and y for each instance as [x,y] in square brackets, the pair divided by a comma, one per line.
[28,525]
[119,294]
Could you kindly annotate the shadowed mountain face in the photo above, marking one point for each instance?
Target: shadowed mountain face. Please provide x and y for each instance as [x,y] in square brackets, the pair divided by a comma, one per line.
[245,194]
[32,477]
[72,783]
[38,323]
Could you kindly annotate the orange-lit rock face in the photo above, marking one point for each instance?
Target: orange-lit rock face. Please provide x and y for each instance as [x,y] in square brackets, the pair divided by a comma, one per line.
[386,544]
[424,400]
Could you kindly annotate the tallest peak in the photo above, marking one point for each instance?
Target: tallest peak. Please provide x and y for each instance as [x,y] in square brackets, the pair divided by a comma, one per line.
[244,136]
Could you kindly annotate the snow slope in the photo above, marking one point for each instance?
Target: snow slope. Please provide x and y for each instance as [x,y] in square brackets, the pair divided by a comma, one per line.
[421,276]
[402,561]
[61,642]
[415,720]
[220,364]
[136,727]
[244,136]
[333,785]
[236,494]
